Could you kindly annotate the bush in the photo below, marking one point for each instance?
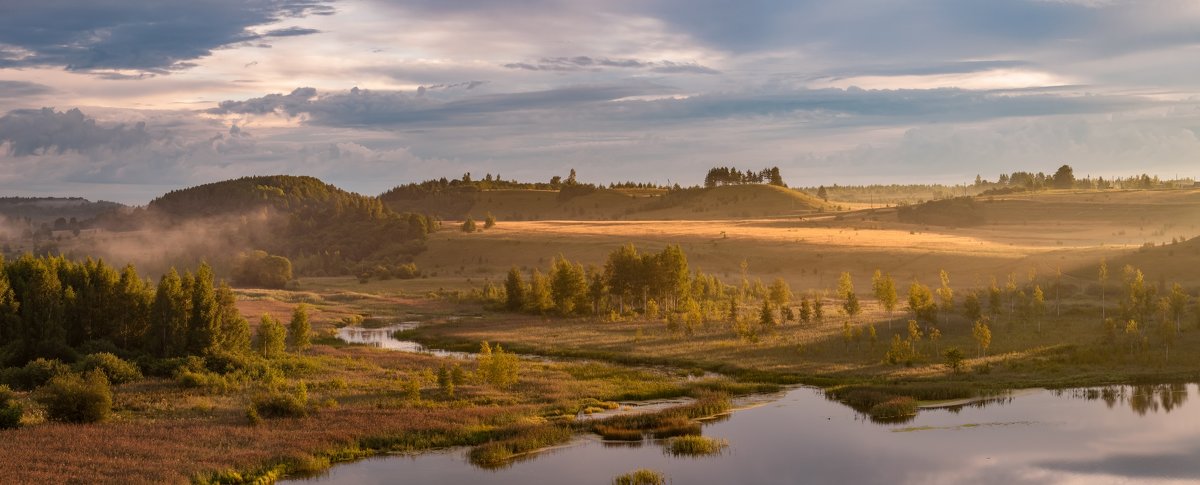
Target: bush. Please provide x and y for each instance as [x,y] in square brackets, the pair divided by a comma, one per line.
[280,404]
[73,398]
[117,371]
[35,374]
[10,410]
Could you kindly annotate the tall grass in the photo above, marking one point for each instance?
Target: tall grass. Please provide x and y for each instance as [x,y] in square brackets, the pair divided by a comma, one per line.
[500,453]
[641,477]
[695,446]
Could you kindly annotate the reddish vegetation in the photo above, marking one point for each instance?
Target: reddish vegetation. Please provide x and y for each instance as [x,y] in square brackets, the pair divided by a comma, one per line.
[174,450]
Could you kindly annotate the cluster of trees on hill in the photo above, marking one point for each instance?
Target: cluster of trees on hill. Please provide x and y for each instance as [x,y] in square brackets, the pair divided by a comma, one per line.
[732,176]
[628,279]
[322,229]
[51,307]
[1064,178]
[467,184]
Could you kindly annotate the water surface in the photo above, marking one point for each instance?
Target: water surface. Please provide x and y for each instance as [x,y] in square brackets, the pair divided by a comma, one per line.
[1142,434]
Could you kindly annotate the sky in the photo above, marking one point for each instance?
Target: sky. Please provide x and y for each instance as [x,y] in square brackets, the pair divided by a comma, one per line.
[125,99]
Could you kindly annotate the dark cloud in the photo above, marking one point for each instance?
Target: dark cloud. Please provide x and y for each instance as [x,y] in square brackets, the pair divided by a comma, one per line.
[368,108]
[38,132]
[18,89]
[134,35]
[581,63]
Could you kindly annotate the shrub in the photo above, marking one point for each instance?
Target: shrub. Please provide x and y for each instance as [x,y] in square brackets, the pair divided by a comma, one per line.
[117,371]
[280,404]
[35,374]
[10,410]
[641,477]
[613,433]
[897,409]
[73,398]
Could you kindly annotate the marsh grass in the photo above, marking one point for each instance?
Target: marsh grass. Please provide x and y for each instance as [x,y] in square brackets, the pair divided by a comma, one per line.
[695,446]
[677,421]
[519,441]
[641,477]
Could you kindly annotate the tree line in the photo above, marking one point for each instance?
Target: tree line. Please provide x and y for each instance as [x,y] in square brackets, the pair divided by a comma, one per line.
[51,307]
[732,176]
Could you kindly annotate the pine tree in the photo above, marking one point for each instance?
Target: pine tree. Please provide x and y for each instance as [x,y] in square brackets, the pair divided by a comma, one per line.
[203,330]
[514,290]
[235,330]
[168,316]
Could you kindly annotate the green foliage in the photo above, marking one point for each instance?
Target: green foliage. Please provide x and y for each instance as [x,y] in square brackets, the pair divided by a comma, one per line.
[34,374]
[299,330]
[497,367]
[116,370]
[469,225]
[954,359]
[259,269]
[73,398]
[278,403]
[11,411]
[568,287]
[489,221]
[271,337]
[920,302]
[514,290]
[324,229]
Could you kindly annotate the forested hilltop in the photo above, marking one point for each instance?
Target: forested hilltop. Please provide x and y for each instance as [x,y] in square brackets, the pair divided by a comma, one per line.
[322,229]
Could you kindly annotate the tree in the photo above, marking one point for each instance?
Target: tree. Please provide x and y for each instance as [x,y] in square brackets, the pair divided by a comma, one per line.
[203,330]
[945,295]
[850,303]
[983,336]
[920,302]
[1103,278]
[1064,178]
[954,359]
[994,299]
[489,221]
[822,193]
[299,329]
[469,225]
[806,310]
[497,367]
[1177,304]
[568,285]
[168,316]
[271,337]
[235,330]
[885,291]
[780,293]
[1038,305]
[538,300]
[971,306]
[258,268]
[766,316]
[514,290]
[445,380]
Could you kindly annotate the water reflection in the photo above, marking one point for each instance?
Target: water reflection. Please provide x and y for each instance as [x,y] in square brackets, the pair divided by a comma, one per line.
[1141,399]
[384,337]
[1143,434]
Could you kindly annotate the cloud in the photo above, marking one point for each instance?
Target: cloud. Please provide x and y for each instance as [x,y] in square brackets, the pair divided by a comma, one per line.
[369,108]
[34,132]
[581,63]
[131,35]
[21,89]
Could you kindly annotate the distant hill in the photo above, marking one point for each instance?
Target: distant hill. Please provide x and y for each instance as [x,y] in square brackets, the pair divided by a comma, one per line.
[46,210]
[322,228]
[597,203]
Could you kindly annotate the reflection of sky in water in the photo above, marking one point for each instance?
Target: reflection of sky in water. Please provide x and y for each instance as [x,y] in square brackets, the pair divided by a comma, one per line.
[382,338]
[1040,437]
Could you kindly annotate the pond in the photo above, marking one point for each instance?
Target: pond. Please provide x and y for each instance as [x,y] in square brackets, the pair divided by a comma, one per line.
[1104,435]
[383,337]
